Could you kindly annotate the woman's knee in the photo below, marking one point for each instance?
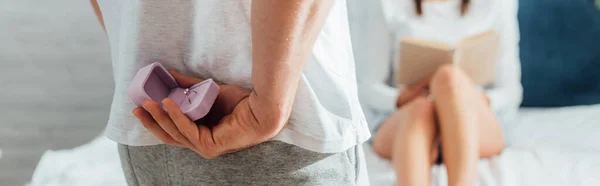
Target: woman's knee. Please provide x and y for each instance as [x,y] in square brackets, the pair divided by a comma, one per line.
[420,115]
[385,135]
[448,79]
[417,114]
[382,147]
[420,107]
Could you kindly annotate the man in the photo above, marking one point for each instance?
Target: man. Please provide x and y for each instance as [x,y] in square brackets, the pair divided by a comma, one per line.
[288,110]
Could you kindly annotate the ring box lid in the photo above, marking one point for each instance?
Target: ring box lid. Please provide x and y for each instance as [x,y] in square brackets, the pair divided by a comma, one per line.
[196,101]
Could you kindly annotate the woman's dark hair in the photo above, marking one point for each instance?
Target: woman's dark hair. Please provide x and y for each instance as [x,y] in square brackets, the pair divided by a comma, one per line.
[463,7]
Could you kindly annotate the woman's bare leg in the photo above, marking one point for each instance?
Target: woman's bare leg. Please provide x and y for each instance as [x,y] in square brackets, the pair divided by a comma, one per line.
[468,127]
[412,155]
[383,140]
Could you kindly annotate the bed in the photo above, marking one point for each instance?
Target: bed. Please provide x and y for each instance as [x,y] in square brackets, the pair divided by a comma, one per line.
[551,146]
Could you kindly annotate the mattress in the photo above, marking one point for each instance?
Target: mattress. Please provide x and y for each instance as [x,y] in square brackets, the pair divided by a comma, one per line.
[556,146]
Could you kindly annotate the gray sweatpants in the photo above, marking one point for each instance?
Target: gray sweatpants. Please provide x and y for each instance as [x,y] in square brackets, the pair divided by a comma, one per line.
[270,163]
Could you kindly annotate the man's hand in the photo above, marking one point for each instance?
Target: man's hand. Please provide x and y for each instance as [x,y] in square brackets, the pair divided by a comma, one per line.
[411,92]
[235,126]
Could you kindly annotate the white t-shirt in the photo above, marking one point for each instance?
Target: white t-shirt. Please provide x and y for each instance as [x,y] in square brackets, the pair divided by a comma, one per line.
[212,39]
[390,20]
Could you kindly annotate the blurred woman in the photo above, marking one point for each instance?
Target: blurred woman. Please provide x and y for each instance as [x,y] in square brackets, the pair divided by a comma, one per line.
[447,113]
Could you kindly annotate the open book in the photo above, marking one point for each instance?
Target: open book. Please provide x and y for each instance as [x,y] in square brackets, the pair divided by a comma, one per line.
[475,55]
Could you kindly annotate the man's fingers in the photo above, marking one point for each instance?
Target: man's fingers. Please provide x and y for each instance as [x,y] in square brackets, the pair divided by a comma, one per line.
[165,122]
[187,81]
[149,123]
[236,131]
[201,137]
[228,97]
[183,124]
[207,147]
[183,80]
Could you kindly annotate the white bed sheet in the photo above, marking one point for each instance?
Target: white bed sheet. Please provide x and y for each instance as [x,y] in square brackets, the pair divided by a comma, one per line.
[548,147]
[93,164]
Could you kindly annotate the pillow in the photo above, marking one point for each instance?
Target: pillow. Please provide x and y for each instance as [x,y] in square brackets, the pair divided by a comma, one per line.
[560,52]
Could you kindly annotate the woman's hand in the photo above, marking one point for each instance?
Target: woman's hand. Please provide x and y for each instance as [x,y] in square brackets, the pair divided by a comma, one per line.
[235,126]
[411,92]
[486,98]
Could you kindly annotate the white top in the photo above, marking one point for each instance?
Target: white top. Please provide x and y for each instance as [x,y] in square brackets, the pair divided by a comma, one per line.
[212,39]
[376,56]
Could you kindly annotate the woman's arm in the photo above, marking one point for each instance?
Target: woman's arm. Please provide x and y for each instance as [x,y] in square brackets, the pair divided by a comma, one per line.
[506,94]
[372,43]
[98,12]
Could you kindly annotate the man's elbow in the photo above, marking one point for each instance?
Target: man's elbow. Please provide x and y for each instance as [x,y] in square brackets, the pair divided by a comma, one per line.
[269,121]
[276,121]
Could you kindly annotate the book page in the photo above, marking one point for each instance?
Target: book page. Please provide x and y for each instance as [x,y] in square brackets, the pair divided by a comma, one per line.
[478,55]
[419,59]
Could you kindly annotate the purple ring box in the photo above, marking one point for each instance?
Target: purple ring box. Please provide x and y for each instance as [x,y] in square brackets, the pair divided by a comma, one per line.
[153,82]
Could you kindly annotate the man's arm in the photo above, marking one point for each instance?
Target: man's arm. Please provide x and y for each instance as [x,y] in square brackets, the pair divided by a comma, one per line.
[283,34]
